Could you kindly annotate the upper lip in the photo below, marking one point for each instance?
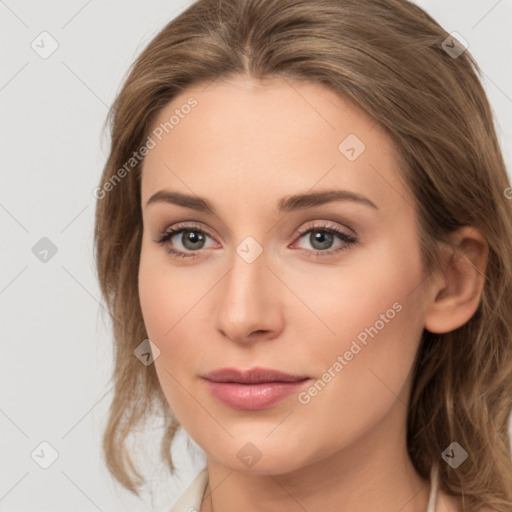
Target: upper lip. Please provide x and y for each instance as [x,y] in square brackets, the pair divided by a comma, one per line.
[251,376]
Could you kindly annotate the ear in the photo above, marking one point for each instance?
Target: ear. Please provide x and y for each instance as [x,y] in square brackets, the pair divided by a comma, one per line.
[456,293]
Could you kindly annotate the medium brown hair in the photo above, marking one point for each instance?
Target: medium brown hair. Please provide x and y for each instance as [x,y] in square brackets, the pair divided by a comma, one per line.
[387,56]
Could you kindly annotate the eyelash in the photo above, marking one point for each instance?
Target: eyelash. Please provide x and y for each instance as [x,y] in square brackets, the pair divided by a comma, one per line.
[349,240]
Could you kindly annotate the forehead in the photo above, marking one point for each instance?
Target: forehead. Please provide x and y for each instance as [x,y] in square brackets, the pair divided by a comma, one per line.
[260,139]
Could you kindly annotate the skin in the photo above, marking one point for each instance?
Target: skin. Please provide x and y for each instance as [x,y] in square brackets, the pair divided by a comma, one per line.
[246,145]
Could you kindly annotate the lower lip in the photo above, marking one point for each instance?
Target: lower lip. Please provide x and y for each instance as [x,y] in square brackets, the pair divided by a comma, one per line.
[251,397]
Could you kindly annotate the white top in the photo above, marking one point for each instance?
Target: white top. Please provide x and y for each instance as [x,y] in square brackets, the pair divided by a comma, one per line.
[190,500]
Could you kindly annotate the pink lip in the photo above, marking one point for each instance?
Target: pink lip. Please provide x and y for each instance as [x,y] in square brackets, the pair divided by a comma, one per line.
[253,389]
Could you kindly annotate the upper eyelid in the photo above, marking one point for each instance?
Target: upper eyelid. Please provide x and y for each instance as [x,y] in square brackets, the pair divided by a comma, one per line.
[309,225]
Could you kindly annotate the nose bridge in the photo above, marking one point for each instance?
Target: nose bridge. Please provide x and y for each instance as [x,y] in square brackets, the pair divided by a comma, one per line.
[247,301]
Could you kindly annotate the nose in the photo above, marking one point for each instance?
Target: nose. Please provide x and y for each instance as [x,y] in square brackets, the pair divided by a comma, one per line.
[249,307]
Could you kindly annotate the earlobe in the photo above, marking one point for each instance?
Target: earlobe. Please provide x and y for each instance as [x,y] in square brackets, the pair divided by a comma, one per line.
[456,294]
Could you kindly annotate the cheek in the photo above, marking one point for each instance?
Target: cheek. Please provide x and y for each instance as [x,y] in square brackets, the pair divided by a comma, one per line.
[375,325]
[168,299]
[367,289]
[165,296]
[162,307]
[152,300]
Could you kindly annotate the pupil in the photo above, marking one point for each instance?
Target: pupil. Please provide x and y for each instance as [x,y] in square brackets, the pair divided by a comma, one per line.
[193,238]
[324,239]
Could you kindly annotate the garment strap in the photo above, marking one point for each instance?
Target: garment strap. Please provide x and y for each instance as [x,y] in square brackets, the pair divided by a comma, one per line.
[434,482]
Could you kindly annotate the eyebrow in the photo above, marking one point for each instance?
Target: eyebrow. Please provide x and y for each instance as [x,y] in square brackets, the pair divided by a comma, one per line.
[286,204]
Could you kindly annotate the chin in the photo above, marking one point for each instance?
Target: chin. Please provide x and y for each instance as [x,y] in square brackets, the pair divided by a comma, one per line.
[257,453]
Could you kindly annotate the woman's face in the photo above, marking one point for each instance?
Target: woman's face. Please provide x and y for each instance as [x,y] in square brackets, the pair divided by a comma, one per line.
[265,280]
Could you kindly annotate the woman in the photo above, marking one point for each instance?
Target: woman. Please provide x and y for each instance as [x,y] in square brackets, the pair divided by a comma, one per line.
[304,237]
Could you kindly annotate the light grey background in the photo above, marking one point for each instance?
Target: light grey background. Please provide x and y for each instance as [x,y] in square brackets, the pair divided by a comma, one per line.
[56,349]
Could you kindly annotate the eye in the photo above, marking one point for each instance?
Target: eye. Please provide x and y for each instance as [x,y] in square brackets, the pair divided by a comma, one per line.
[323,237]
[192,239]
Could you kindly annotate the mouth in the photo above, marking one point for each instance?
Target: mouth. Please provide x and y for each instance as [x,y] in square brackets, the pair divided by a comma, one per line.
[254,389]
